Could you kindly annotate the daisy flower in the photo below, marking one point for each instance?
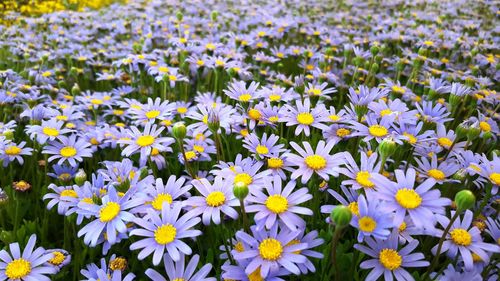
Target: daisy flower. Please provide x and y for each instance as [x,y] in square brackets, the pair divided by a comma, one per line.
[215,198]
[28,265]
[177,270]
[264,146]
[159,193]
[11,151]
[144,142]
[420,203]
[317,161]
[152,111]
[388,260]
[48,130]
[279,204]
[374,129]
[359,177]
[164,232]
[464,239]
[237,90]
[372,221]
[70,149]
[271,250]
[440,172]
[304,117]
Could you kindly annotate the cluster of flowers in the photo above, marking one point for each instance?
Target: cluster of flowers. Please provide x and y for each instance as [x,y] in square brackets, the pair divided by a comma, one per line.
[262,143]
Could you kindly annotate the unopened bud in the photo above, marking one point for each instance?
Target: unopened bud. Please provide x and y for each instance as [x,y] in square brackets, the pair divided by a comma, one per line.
[80,177]
[464,200]
[341,215]
[179,130]
[240,190]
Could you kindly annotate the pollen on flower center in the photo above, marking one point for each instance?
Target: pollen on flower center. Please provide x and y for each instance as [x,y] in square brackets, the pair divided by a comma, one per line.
[157,203]
[461,237]
[262,149]
[367,224]
[353,206]
[277,203]
[215,199]
[254,114]
[165,234]
[436,174]
[363,178]
[305,118]
[270,249]
[243,177]
[274,163]
[17,269]
[109,212]
[152,114]
[13,150]
[408,198]
[254,276]
[245,97]
[385,112]
[495,178]
[378,131]
[411,138]
[342,132]
[68,151]
[50,131]
[315,162]
[485,127]
[69,193]
[390,259]
[57,259]
[445,142]
[146,140]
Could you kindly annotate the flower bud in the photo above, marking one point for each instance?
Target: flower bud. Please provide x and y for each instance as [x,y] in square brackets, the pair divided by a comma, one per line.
[455,100]
[214,15]
[240,190]
[461,130]
[374,50]
[464,200]
[80,177]
[179,16]
[4,198]
[387,147]
[8,134]
[474,132]
[179,130]
[341,215]
[460,175]
[62,84]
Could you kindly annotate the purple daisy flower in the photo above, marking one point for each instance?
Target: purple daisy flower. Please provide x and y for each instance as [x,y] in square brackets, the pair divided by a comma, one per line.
[111,216]
[264,146]
[238,90]
[421,203]
[372,221]
[48,130]
[164,232]
[11,151]
[464,239]
[215,198]
[271,250]
[440,172]
[388,260]
[359,177]
[177,270]
[317,161]
[305,117]
[374,129]
[159,193]
[70,149]
[28,265]
[280,204]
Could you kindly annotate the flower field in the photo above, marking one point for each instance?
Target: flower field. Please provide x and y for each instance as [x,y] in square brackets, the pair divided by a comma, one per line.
[249,140]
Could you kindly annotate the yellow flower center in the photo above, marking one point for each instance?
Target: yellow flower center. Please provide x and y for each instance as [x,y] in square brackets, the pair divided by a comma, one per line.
[277,203]
[411,138]
[239,247]
[262,149]
[13,150]
[436,174]
[385,112]
[274,97]
[445,142]
[96,101]
[484,126]
[254,114]
[69,193]
[118,264]
[315,162]
[165,234]
[50,131]
[353,206]
[172,78]
[314,92]
[305,118]
[146,140]
[163,69]
[398,89]
[378,131]
[215,199]
[109,212]
[495,178]
[245,97]
[254,276]
[274,163]
[182,110]
[363,178]
[402,227]
[68,151]
[152,114]
[461,237]
[367,224]
[270,249]
[17,269]
[334,117]
[243,177]
[198,148]
[57,259]
[190,154]
[342,132]
[157,203]
[390,259]
[408,198]
[273,119]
